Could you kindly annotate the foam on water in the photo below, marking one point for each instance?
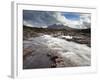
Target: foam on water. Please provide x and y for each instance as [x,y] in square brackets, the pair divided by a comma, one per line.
[73,53]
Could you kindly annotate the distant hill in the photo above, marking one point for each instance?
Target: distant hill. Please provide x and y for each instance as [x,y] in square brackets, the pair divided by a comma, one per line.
[60,27]
[57,26]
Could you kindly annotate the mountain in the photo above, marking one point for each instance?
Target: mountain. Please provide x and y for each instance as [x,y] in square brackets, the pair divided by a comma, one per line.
[57,26]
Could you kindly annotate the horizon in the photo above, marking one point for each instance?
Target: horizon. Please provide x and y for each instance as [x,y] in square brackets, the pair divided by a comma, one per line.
[45,18]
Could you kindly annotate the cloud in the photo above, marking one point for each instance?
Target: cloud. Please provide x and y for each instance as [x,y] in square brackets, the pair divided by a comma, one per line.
[85,20]
[83,23]
[46,18]
[66,21]
[39,18]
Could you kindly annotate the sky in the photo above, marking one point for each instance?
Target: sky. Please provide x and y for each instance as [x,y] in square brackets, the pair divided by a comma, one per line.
[45,18]
[71,15]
